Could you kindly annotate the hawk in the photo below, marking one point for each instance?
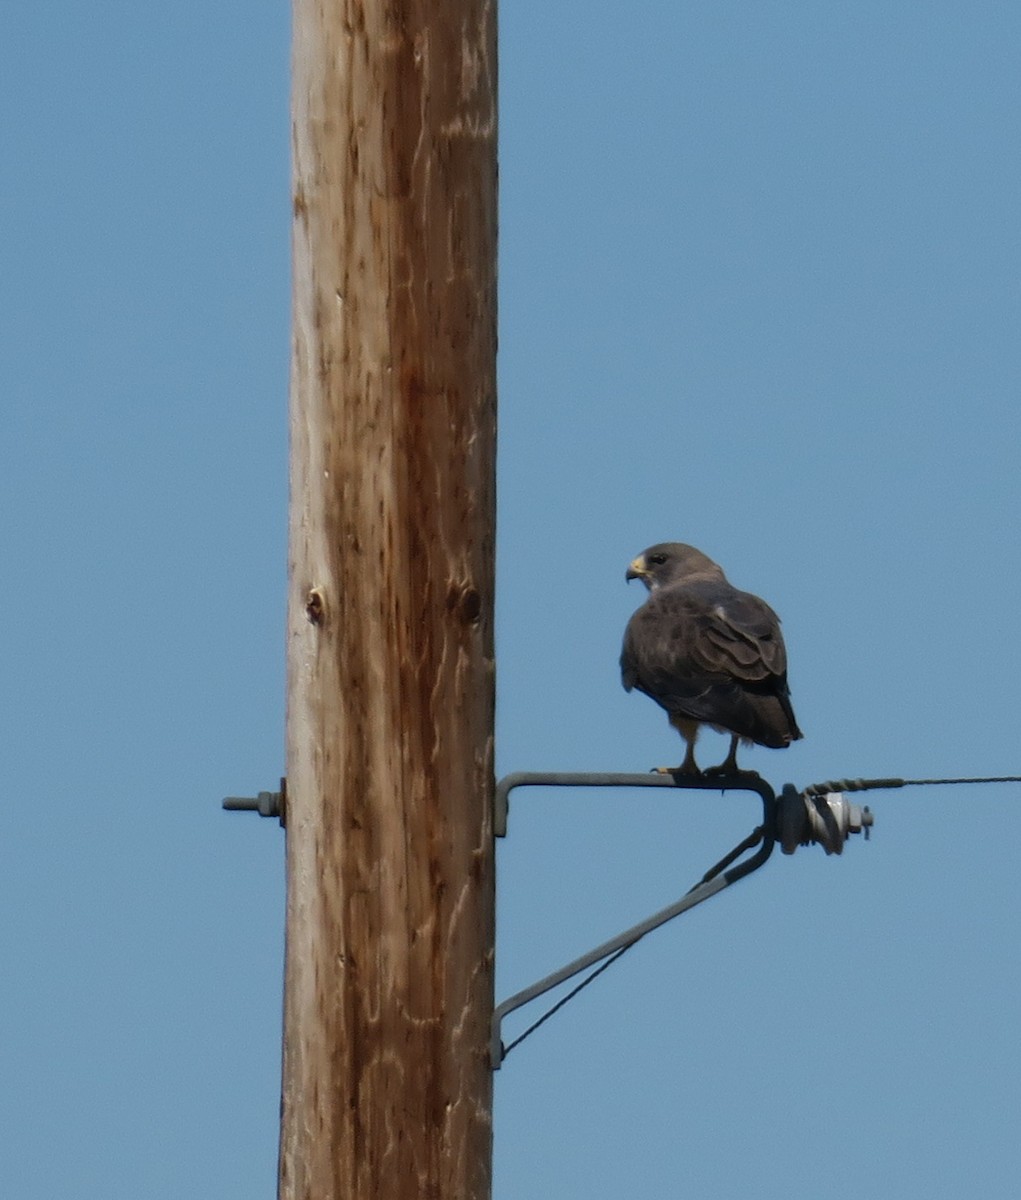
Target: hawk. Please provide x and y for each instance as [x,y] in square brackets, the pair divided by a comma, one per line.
[708,654]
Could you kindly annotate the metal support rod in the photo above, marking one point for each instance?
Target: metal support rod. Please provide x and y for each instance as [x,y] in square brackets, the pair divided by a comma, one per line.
[742,781]
[712,883]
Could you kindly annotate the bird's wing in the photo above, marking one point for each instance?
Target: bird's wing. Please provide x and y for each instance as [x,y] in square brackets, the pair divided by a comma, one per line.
[685,640]
[739,636]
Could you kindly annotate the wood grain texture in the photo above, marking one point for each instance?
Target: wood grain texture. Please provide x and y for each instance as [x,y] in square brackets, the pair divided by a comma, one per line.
[388,992]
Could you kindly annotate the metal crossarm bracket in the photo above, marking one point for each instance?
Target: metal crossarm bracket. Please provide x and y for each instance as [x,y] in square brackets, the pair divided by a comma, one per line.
[715,880]
[747,781]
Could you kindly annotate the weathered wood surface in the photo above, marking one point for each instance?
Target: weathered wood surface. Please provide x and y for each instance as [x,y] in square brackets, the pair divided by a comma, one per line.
[386,1082]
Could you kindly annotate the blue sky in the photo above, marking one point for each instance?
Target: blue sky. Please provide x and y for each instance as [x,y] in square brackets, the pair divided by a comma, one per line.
[759,291]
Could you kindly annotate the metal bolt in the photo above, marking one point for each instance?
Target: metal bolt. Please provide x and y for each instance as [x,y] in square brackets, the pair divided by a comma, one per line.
[266,804]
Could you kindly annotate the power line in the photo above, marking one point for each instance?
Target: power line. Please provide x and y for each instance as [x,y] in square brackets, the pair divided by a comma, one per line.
[873,785]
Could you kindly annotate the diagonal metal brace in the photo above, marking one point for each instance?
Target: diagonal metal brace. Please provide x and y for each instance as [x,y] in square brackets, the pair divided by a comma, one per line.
[714,881]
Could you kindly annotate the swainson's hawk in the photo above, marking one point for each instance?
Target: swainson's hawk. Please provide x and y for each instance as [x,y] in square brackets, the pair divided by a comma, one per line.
[707,653]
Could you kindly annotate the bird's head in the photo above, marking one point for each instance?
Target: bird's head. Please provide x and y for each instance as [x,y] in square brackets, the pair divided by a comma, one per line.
[669,562]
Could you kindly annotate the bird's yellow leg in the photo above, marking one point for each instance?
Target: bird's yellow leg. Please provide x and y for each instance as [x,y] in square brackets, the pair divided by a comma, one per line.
[729,765]
[688,730]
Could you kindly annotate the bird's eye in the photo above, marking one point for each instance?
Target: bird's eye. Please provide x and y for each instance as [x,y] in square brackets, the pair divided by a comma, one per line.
[657,560]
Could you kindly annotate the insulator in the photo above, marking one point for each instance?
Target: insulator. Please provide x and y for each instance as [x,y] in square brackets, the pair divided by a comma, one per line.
[827,820]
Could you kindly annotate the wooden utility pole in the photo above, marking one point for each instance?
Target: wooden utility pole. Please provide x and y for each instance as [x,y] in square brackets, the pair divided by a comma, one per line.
[386,1081]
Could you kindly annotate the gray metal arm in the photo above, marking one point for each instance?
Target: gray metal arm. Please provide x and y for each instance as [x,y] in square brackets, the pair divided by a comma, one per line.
[714,881]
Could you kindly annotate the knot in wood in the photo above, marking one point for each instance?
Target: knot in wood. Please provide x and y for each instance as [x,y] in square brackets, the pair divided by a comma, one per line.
[465,602]
[315,606]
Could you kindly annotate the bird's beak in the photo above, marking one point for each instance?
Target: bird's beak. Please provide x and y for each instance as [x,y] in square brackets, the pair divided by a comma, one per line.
[637,570]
